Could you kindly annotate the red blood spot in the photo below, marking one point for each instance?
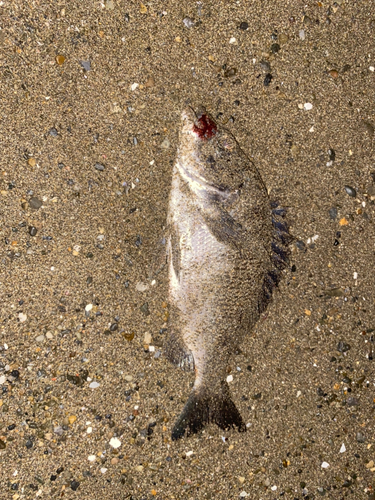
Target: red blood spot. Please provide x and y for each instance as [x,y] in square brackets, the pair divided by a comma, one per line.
[205,128]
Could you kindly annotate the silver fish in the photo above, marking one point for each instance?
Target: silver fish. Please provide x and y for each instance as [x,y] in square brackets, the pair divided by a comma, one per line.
[227,247]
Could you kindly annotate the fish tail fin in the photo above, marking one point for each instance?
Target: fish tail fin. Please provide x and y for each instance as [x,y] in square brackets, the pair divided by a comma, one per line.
[202,408]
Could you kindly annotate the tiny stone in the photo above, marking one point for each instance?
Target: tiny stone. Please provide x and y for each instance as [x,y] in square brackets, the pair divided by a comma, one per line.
[2,444]
[267,79]
[91,458]
[53,132]
[302,34]
[332,213]
[350,191]
[333,73]
[275,47]
[283,38]
[40,338]
[265,65]
[74,485]
[35,203]
[325,465]
[115,443]
[99,166]
[165,144]
[22,317]
[188,22]
[94,385]
[360,437]
[343,347]
[86,65]
[244,26]
[32,231]
[31,162]
[144,309]
[60,60]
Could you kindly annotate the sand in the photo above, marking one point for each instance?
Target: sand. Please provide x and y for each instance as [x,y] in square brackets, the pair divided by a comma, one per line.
[91,95]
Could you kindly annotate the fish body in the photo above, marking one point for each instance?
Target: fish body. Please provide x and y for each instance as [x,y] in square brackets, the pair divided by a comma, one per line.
[224,259]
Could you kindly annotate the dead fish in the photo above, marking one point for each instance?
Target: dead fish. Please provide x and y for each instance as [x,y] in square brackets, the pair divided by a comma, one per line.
[227,247]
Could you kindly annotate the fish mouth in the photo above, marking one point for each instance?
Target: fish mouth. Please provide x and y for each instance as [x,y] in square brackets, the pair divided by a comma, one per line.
[199,123]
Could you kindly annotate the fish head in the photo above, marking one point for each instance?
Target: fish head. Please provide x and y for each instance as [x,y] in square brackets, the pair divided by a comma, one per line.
[208,152]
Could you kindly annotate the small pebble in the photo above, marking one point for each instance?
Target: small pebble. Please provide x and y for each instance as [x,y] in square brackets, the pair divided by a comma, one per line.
[283,38]
[115,443]
[244,26]
[333,73]
[91,458]
[31,162]
[60,60]
[343,448]
[22,317]
[188,22]
[307,106]
[302,34]
[275,47]
[350,191]
[32,231]
[53,132]
[325,465]
[40,338]
[265,65]
[99,166]
[86,65]
[94,385]
[35,203]
[165,144]
[267,79]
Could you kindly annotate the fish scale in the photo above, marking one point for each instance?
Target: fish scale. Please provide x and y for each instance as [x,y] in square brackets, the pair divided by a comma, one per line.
[226,250]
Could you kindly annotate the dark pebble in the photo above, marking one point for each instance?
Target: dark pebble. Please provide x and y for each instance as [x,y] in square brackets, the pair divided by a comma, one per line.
[11,427]
[29,444]
[15,374]
[300,245]
[138,241]
[342,346]
[74,485]
[244,26]
[99,166]
[89,280]
[275,47]
[35,203]
[336,242]
[53,132]
[32,231]
[332,213]
[113,327]
[86,65]
[14,486]
[257,396]
[61,165]
[53,477]
[331,154]
[350,191]
[144,309]
[267,79]
[2,444]
[89,255]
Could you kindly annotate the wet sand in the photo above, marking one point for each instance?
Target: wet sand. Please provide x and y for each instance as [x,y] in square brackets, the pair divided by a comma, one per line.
[91,96]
